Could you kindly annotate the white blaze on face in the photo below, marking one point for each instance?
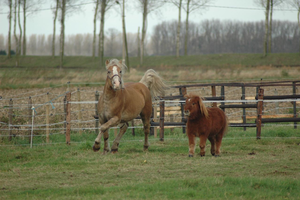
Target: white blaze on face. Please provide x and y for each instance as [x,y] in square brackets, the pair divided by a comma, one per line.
[116,81]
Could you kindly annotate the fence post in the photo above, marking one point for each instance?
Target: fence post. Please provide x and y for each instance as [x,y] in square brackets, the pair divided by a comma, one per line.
[154,112]
[79,113]
[161,121]
[47,118]
[182,92]
[32,122]
[10,118]
[244,109]
[259,112]
[132,124]
[223,95]
[29,117]
[294,104]
[68,118]
[65,111]
[96,112]
[213,94]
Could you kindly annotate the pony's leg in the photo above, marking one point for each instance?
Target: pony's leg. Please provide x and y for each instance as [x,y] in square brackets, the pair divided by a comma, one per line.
[106,143]
[192,146]
[213,145]
[115,146]
[218,144]
[203,139]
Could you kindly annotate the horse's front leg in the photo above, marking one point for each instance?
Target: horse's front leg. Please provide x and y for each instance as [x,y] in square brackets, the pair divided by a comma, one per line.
[192,140]
[104,129]
[115,146]
[106,143]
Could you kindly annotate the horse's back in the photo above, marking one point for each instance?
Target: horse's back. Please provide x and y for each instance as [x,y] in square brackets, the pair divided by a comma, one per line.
[218,118]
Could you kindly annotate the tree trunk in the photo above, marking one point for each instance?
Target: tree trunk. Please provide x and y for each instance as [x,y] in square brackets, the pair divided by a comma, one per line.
[187,27]
[62,32]
[24,28]
[101,34]
[139,45]
[15,33]
[20,28]
[144,28]
[299,23]
[9,29]
[266,28]
[94,33]
[270,26]
[125,37]
[178,29]
[54,29]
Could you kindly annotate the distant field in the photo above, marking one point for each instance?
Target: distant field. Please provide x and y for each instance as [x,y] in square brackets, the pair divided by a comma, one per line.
[42,71]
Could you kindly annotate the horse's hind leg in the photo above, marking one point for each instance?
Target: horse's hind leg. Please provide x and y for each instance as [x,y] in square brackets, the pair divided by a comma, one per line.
[212,140]
[96,146]
[146,123]
[203,139]
[115,146]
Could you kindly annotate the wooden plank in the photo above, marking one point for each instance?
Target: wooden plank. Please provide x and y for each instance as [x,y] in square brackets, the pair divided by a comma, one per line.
[68,118]
[271,116]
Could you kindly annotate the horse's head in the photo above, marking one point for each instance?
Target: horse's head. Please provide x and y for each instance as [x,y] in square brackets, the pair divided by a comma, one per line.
[194,106]
[115,70]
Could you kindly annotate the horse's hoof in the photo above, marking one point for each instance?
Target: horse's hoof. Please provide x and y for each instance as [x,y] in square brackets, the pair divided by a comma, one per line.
[202,155]
[191,156]
[114,151]
[105,152]
[95,149]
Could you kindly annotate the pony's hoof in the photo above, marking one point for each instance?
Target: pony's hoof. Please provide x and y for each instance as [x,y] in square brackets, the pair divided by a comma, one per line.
[114,151]
[202,155]
[191,155]
[146,148]
[95,149]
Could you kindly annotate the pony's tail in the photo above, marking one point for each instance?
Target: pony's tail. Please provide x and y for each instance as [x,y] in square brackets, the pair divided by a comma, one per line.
[154,83]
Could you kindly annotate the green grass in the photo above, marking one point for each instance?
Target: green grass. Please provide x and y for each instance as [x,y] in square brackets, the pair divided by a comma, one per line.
[247,169]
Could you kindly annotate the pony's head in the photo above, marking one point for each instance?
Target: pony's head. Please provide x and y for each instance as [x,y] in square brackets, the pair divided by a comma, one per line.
[115,70]
[194,107]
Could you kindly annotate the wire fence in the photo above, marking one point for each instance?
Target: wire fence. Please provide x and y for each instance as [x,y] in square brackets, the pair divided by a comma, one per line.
[47,107]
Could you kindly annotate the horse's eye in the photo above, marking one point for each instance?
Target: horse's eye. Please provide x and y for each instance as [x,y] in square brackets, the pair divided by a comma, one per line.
[193,104]
[108,72]
[120,72]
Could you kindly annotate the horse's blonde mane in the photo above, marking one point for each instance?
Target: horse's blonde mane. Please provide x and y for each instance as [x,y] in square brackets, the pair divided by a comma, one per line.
[116,62]
[203,109]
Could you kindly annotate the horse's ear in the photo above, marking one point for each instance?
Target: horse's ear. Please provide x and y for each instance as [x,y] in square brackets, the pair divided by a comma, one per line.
[186,96]
[203,109]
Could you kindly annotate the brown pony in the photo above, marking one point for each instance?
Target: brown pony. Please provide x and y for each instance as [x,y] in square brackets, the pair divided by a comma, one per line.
[204,123]
[121,102]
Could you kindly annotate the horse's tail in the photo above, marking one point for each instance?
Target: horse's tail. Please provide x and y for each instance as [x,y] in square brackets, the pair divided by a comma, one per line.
[154,83]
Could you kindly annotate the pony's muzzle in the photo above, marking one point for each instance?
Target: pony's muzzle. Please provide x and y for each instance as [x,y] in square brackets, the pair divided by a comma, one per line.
[187,113]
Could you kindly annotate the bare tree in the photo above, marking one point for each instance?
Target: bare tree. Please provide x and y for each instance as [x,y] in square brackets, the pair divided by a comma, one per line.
[20,28]
[178,4]
[189,7]
[57,3]
[105,6]
[29,7]
[15,32]
[9,3]
[125,47]
[146,6]
[296,4]
[62,31]
[95,20]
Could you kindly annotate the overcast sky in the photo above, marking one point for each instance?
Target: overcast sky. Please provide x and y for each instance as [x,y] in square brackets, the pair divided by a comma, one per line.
[82,22]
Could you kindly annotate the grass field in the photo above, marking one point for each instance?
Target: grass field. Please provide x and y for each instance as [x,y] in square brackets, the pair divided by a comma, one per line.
[247,169]
[43,71]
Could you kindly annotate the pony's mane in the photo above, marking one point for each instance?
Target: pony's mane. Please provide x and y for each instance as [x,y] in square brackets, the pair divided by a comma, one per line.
[203,109]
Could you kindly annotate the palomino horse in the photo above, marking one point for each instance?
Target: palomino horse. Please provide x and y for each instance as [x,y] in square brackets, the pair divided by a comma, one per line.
[122,102]
[205,123]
